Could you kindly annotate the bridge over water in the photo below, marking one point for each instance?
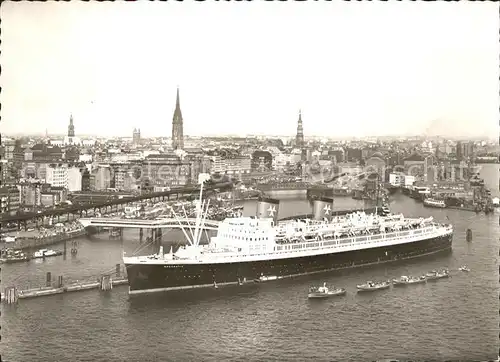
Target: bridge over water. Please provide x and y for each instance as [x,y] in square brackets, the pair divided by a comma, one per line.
[149,224]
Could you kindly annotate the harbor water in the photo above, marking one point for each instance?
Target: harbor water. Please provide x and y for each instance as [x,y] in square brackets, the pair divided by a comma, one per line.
[450,319]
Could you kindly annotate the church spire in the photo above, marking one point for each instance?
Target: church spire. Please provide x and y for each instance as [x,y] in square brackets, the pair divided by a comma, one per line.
[177,125]
[299,139]
[71,127]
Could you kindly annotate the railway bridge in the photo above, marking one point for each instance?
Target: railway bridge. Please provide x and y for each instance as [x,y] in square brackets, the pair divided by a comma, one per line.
[113,204]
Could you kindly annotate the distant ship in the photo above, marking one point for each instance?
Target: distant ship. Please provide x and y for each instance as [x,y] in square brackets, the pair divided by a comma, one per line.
[260,248]
[430,202]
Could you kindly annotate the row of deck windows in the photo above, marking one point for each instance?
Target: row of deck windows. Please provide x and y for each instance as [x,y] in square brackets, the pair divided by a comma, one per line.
[235,237]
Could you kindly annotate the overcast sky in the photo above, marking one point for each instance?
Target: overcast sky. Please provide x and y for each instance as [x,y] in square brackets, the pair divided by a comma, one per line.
[355,69]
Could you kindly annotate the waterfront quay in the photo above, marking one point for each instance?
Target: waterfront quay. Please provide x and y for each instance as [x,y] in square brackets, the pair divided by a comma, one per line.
[43,236]
[465,196]
[104,282]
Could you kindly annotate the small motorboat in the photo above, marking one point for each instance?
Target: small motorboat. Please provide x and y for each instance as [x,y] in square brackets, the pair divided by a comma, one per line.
[402,280]
[464,268]
[264,278]
[417,280]
[45,253]
[370,286]
[324,292]
[405,280]
[434,275]
[429,202]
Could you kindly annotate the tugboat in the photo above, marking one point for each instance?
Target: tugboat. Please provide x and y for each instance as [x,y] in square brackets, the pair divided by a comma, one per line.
[464,268]
[45,253]
[324,292]
[370,286]
[405,280]
[433,275]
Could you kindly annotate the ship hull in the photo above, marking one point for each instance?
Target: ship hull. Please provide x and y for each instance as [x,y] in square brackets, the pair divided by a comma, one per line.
[145,278]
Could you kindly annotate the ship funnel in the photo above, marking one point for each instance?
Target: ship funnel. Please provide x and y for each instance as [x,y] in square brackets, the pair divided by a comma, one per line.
[322,207]
[160,252]
[267,207]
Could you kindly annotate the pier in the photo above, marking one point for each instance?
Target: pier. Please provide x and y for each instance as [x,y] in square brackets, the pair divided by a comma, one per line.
[105,282]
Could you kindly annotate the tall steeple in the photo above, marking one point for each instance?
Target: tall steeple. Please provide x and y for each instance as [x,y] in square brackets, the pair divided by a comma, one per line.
[71,127]
[299,139]
[177,125]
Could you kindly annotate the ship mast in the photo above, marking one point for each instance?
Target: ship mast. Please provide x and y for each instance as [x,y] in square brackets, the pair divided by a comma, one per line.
[204,217]
[186,216]
[190,240]
[201,214]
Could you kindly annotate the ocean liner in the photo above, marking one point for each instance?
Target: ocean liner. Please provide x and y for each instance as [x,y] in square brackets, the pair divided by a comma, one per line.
[259,248]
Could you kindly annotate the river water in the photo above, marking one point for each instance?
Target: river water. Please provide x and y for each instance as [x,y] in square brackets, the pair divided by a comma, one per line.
[446,320]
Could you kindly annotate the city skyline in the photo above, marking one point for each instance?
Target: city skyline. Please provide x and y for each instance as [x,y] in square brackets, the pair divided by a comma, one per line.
[436,80]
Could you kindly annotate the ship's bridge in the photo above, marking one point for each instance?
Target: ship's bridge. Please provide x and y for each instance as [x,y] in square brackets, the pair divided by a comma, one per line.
[246,234]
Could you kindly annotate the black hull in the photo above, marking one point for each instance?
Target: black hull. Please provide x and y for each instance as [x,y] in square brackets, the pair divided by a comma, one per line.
[12,261]
[150,277]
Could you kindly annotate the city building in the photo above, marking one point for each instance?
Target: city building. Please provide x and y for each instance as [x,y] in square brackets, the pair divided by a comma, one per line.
[9,200]
[86,158]
[136,136]
[376,164]
[177,126]
[30,193]
[8,149]
[166,170]
[74,178]
[5,172]
[397,179]
[122,177]
[232,165]
[464,150]
[337,155]
[430,174]
[72,154]
[57,175]
[414,165]
[353,154]
[281,161]
[40,152]
[53,196]
[85,180]
[262,161]
[100,178]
